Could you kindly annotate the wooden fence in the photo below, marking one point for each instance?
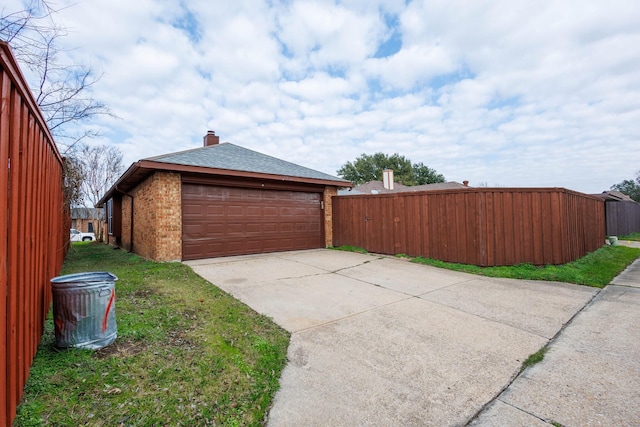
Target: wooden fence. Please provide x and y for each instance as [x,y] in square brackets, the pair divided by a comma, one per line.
[481,226]
[623,217]
[33,229]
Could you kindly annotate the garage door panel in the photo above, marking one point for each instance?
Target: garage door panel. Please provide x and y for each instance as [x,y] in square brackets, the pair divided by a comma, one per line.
[223,221]
[191,209]
[214,228]
[270,211]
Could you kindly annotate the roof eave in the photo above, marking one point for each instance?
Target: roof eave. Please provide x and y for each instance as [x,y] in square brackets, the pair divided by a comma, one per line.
[174,167]
[123,180]
[139,170]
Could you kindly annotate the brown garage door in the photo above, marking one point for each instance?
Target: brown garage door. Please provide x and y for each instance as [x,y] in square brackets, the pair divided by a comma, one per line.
[222,221]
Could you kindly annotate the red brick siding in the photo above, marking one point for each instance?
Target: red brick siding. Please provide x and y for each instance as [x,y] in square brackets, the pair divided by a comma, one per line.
[157,218]
[329,192]
[125,239]
[82,224]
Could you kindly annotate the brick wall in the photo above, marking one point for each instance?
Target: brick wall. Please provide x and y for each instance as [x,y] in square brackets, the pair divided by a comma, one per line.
[328,215]
[157,217]
[82,224]
[125,239]
[169,217]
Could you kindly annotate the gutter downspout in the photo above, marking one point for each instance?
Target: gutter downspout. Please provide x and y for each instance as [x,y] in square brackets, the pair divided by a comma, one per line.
[131,230]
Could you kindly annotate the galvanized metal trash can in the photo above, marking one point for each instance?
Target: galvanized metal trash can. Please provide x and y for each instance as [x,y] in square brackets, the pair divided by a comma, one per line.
[84,310]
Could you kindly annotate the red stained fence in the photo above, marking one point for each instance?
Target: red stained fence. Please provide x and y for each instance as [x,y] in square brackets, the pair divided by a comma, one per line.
[481,226]
[34,227]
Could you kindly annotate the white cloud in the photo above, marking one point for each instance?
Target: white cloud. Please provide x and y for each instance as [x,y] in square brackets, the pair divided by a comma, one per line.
[326,34]
[515,93]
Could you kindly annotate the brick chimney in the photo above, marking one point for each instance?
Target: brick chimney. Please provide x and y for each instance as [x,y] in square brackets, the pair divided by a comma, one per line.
[387,179]
[211,139]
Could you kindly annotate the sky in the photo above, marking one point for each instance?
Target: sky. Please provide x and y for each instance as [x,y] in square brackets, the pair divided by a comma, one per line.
[507,93]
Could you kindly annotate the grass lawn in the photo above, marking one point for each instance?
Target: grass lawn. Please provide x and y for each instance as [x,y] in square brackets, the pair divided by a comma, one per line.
[632,236]
[596,269]
[186,354]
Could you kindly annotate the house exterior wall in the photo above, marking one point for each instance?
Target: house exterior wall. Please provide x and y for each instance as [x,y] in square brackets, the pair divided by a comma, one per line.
[157,218]
[113,235]
[149,218]
[329,192]
[125,239]
[82,224]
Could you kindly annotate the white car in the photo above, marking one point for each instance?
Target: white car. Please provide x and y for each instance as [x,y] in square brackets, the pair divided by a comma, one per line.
[78,236]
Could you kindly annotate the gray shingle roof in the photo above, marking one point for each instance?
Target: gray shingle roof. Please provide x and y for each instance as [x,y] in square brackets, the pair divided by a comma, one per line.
[87,213]
[232,157]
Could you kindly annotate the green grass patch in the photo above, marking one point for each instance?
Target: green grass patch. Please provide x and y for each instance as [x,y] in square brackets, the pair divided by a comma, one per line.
[596,269]
[534,358]
[632,236]
[187,353]
[349,248]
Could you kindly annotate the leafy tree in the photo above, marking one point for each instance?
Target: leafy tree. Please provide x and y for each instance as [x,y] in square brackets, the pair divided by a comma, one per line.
[630,187]
[72,176]
[369,168]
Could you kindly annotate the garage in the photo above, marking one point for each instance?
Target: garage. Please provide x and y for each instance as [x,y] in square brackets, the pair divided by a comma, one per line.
[225,221]
[217,200]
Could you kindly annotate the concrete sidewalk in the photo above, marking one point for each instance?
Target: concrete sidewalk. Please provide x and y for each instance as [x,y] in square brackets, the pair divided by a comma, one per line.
[382,341]
[590,375]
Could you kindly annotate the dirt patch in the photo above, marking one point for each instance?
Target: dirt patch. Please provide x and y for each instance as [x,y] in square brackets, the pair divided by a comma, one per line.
[121,349]
[143,293]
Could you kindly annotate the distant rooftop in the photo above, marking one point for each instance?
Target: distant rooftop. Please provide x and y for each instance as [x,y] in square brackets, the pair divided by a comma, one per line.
[614,196]
[87,213]
[377,187]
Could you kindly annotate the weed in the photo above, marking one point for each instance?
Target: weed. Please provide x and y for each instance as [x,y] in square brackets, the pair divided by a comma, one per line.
[349,248]
[633,236]
[534,358]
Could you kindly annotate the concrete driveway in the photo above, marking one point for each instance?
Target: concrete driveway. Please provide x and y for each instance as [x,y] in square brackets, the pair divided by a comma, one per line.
[382,341]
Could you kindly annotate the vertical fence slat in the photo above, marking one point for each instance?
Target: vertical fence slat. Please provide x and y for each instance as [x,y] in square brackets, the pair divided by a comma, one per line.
[622,217]
[14,250]
[33,218]
[5,118]
[485,227]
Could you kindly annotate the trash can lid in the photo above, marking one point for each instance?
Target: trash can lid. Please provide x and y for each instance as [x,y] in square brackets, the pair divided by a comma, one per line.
[88,278]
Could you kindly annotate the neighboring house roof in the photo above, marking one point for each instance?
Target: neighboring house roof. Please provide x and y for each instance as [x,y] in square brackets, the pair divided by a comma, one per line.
[87,213]
[377,187]
[222,159]
[614,196]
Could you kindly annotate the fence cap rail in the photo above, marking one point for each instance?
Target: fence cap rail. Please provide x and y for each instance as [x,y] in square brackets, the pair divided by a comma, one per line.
[519,190]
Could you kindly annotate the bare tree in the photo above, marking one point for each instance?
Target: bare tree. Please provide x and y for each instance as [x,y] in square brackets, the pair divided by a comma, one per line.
[62,90]
[101,166]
